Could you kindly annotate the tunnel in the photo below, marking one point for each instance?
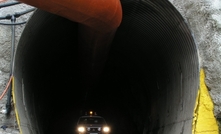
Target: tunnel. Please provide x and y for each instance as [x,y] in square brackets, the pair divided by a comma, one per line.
[148,86]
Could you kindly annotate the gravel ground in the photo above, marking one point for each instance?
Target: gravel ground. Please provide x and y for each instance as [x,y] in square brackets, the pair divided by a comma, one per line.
[8,124]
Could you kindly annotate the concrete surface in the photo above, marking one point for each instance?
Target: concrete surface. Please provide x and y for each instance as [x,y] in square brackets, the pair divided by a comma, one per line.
[204,19]
[5,50]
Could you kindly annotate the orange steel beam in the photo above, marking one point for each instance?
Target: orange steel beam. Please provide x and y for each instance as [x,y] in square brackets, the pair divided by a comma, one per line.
[101,15]
[98,21]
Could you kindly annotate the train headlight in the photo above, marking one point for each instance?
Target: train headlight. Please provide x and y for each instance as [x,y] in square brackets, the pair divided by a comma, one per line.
[81,129]
[106,129]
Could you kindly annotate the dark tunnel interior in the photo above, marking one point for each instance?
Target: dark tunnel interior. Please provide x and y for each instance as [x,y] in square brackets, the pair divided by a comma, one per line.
[149,83]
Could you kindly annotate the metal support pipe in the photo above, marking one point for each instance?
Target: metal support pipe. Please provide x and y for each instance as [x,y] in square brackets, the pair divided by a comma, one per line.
[8,104]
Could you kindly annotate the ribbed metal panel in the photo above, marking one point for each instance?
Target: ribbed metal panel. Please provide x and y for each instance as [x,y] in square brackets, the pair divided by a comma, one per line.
[150,80]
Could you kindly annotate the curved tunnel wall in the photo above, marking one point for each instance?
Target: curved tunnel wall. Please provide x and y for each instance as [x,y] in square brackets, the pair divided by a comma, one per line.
[149,83]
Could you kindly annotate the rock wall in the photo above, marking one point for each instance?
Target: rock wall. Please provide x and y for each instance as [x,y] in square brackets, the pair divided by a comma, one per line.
[5,58]
[204,19]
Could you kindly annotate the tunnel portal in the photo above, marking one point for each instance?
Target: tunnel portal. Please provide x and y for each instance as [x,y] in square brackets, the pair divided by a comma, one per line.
[149,83]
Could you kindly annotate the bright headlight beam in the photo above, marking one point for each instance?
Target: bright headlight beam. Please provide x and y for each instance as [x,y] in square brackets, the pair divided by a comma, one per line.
[81,129]
[106,129]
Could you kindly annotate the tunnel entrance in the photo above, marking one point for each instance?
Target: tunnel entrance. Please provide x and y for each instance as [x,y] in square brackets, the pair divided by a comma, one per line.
[149,83]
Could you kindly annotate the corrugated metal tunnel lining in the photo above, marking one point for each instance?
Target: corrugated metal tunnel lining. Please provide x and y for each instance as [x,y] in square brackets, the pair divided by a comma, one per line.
[149,83]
